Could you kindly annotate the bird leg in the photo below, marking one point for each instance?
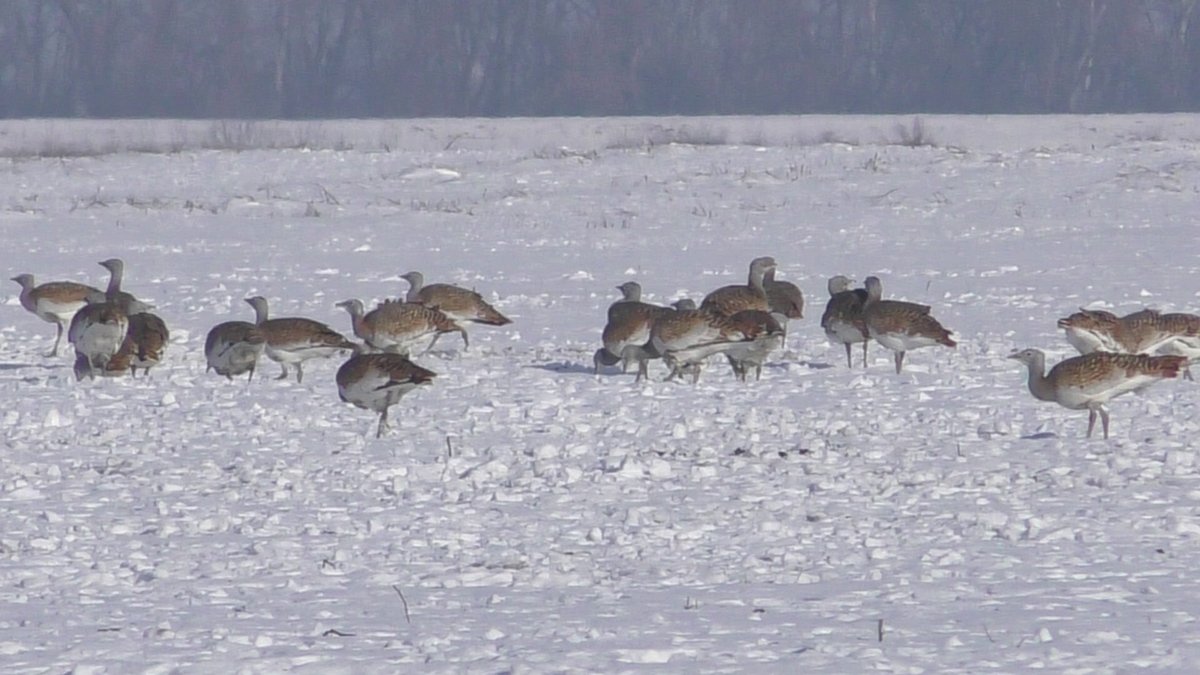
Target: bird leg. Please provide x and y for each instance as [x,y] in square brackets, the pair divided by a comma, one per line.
[849,361]
[899,361]
[1104,420]
[643,371]
[432,343]
[383,423]
[299,372]
[283,375]
[1091,421]
[673,365]
[57,339]
[865,343]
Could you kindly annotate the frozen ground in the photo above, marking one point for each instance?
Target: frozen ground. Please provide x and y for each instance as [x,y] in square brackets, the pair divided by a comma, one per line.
[524,516]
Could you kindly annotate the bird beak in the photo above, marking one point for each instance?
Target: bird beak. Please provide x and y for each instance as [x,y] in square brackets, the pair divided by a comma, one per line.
[1015,355]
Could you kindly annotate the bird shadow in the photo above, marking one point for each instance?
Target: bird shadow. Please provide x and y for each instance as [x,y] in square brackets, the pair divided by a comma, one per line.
[1040,436]
[13,365]
[563,367]
[814,365]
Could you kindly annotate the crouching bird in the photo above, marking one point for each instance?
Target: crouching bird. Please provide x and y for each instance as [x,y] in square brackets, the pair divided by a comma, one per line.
[378,381]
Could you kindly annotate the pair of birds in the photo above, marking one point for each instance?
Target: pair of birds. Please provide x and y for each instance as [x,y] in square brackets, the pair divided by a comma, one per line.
[370,380]
[858,315]
[745,322]
[1118,355]
[111,330]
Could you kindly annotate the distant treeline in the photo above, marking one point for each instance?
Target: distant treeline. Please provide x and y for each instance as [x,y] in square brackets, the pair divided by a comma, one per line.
[412,58]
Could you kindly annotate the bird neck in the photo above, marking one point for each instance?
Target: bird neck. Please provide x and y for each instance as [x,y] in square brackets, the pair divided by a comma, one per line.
[114,281]
[415,284]
[1040,385]
[874,293]
[356,318]
[756,279]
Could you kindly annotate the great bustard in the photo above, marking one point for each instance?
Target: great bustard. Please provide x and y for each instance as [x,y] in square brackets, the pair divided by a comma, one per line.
[1092,380]
[1144,332]
[685,338]
[233,347]
[114,293]
[729,300]
[144,345]
[55,302]
[627,328]
[901,326]
[399,327]
[762,333]
[294,340]
[785,299]
[377,381]
[460,304]
[843,320]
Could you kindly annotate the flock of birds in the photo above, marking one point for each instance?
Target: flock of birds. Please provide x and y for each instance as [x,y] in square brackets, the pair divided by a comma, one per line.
[747,322]
[113,332]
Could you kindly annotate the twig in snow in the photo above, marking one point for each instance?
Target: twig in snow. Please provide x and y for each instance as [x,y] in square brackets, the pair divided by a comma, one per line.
[407,618]
[336,633]
[881,630]
[988,634]
[449,447]
[328,196]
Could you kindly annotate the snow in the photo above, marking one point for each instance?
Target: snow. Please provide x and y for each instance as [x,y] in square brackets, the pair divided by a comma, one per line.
[524,516]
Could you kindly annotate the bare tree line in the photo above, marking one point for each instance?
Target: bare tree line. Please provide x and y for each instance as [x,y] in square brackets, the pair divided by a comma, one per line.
[409,58]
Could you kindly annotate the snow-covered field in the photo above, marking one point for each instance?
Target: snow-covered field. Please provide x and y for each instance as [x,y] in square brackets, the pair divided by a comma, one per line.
[525,516]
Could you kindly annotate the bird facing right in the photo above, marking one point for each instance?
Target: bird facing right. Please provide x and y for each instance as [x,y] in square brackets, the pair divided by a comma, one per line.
[901,326]
[377,381]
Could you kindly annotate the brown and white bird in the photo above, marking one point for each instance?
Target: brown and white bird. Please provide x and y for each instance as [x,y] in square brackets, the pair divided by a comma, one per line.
[114,293]
[729,300]
[1184,332]
[1090,330]
[1146,331]
[632,342]
[843,318]
[97,332]
[629,322]
[147,338]
[763,333]
[377,381]
[399,327]
[461,305]
[631,299]
[294,340]
[233,347]
[144,345]
[55,302]
[686,338]
[901,326]
[1092,380]
[785,299]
